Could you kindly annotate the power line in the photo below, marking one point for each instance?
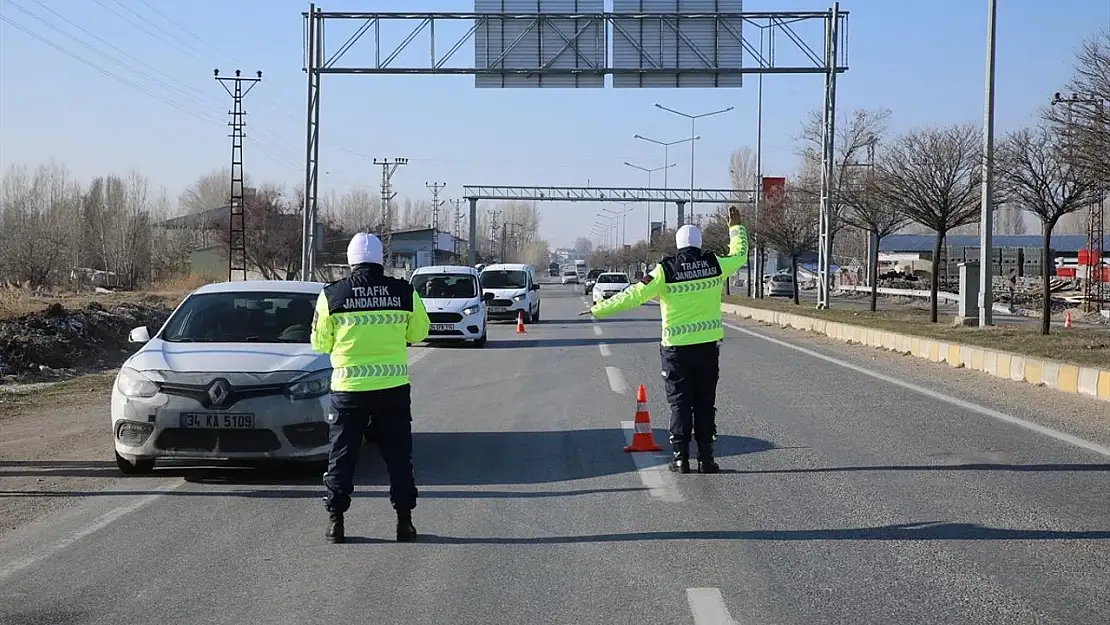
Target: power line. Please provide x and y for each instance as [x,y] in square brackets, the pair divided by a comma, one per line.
[389,167]
[436,187]
[237,226]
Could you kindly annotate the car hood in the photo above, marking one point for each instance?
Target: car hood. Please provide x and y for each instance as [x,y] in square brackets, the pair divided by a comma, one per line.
[506,293]
[234,358]
[612,286]
[449,304]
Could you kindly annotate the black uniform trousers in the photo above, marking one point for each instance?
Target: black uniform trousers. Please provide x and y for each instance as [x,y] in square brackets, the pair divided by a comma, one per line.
[690,373]
[388,412]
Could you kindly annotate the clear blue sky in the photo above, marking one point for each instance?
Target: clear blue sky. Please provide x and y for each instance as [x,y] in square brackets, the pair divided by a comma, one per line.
[923,60]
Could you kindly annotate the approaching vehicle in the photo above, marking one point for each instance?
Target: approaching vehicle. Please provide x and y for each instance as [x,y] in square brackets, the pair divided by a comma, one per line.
[455,303]
[591,280]
[553,270]
[231,375]
[780,285]
[570,277]
[582,269]
[609,284]
[514,289]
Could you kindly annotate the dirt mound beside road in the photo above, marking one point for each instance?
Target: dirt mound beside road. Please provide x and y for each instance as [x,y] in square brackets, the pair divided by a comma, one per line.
[58,342]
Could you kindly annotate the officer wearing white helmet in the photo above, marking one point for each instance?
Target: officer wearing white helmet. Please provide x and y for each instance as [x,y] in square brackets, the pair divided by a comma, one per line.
[364,322]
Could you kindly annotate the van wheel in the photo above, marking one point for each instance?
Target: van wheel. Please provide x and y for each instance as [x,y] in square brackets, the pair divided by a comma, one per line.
[481,341]
[139,467]
[536,317]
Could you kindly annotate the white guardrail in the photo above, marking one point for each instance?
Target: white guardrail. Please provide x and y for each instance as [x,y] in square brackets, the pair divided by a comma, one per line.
[943,296]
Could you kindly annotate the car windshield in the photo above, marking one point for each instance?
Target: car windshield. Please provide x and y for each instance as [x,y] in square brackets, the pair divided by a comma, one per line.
[612,278]
[781,278]
[242,317]
[569,273]
[594,273]
[504,279]
[445,285]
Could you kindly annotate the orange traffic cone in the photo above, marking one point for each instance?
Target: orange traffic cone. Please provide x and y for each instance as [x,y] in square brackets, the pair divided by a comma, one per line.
[1067,318]
[520,323]
[642,437]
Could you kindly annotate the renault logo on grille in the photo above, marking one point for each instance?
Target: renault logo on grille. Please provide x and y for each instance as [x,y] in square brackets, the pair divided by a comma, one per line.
[218,392]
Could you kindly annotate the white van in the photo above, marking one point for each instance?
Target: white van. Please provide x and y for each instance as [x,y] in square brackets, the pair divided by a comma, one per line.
[514,290]
[453,298]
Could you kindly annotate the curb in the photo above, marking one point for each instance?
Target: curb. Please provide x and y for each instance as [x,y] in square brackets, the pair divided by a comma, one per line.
[1088,381]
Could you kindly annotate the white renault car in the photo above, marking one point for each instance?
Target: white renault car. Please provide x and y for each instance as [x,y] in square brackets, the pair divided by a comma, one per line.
[609,284]
[455,303]
[231,375]
[514,289]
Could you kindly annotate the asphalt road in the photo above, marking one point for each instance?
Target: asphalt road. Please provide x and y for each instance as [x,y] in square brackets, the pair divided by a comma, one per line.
[845,498]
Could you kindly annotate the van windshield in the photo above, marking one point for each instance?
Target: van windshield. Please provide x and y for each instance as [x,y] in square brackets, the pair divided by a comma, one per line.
[444,285]
[504,279]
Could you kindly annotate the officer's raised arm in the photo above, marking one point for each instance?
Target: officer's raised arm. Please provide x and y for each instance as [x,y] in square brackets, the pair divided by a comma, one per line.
[637,294]
[737,244]
[323,326]
[419,324]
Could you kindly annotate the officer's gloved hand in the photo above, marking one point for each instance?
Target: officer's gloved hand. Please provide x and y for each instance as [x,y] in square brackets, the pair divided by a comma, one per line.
[733,216]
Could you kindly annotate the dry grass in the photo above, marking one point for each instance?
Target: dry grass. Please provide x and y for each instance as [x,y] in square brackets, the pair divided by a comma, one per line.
[1078,346]
[83,388]
[16,302]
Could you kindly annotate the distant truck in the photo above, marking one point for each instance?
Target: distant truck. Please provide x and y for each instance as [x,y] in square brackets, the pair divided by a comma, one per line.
[581,268]
[553,270]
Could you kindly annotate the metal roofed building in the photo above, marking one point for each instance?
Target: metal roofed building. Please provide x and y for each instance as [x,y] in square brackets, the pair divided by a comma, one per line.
[1063,244]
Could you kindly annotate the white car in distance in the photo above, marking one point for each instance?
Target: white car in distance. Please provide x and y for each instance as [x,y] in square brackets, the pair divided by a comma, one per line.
[231,375]
[609,284]
[515,291]
[455,303]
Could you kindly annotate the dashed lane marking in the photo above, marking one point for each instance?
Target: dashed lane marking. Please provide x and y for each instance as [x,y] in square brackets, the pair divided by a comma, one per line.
[597,329]
[937,395]
[708,606]
[604,349]
[652,471]
[616,380]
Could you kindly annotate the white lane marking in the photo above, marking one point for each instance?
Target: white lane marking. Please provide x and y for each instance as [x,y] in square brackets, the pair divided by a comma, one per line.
[597,329]
[654,475]
[708,607]
[604,349]
[100,523]
[419,355]
[616,380]
[937,395]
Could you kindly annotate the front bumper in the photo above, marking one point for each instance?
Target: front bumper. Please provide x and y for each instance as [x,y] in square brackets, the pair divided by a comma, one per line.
[507,310]
[171,426]
[598,297]
[457,327]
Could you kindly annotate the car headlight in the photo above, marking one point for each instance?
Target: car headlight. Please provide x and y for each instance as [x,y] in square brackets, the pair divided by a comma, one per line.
[312,385]
[134,384]
[470,310]
[519,298]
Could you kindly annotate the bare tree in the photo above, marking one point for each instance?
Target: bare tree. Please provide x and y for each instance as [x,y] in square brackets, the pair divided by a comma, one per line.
[792,229]
[1085,122]
[583,245]
[212,190]
[37,211]
[933,176]
[853,135]
[1036,173]
[870,209]
[273,233]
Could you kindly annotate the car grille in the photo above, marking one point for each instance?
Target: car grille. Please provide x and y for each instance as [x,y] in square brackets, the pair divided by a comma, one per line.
[229,441]
[445,333]
[501,302]
[444,317]
[199,393]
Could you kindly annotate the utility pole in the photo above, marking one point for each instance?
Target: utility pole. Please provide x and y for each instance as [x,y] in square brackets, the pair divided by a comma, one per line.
[986,209]
[436,187]
[389,167]
[456,231]
[493,215]
[236,224]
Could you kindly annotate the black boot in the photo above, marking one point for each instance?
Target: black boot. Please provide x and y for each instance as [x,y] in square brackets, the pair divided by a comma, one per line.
[681,462]
[706,464]
[406,531]
[335,532]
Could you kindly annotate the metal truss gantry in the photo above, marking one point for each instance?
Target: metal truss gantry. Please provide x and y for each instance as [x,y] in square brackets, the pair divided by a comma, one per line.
[572,50]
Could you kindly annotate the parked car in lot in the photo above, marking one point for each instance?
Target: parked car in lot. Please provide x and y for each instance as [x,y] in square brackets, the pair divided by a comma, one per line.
[780,285]
[455,303]
[231,375]
[515,291]
[570,277]
[609,284]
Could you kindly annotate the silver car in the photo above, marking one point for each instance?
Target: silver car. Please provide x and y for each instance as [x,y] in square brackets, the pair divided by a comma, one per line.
[230,376]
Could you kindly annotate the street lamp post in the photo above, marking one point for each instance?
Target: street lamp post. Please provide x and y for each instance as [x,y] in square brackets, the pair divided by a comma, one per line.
[666,159]
[650,171]
[692,118]
[623,216]
[986,228]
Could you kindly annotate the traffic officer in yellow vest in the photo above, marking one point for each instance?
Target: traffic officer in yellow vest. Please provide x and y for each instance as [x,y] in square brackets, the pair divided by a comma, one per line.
[365,322]
[689,285]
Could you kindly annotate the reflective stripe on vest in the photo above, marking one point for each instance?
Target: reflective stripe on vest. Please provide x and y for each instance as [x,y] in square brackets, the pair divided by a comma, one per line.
[694,286]
[369,371]
[690,328]
[370,318]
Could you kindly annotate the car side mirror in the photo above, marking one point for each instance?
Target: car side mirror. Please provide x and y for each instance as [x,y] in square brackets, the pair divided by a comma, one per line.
[139,335]
[535,287]
[487,297]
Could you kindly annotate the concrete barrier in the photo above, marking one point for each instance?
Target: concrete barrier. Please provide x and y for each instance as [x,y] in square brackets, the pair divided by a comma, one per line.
[1089,381]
